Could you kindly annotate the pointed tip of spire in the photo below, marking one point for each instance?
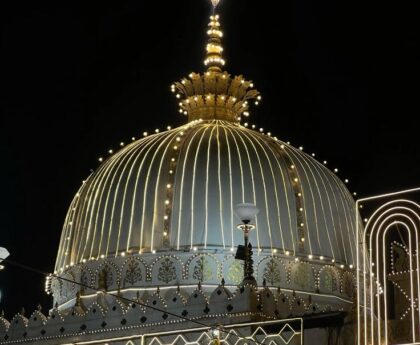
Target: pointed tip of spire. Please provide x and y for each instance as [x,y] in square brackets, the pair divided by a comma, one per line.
[215,3]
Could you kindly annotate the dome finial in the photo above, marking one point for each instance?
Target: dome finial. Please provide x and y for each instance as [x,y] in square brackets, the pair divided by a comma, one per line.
[214,60]
[214,94]
[215,3]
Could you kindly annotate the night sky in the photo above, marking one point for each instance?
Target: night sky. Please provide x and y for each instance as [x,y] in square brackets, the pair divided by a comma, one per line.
[339,78]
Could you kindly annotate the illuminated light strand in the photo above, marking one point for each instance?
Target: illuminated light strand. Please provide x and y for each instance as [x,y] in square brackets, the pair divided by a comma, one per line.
[346,211]
[274,182]
[347,203]
[296,189]
[157,218]
[68,232]
[385,273]
[204,128]
[123,172]
[82,215]
[301,159]
[181,189]
[132,154]
[86,214]
[251,170]
[220,188]
[113,164]
[248,136]
[136,151]
[230,129]
[65,247]
[122,158]
[379,227]
[296,154]
[169,139]
[288,152]
[350,205]
[172,178]
[389,194]
[206,198]
[138,156]
[280,167]
[325,181]
[141,156]
[230,187]
[98,179]
[337,210]
[351,224]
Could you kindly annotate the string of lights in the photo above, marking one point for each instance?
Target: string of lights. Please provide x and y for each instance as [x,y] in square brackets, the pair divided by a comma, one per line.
[202,324]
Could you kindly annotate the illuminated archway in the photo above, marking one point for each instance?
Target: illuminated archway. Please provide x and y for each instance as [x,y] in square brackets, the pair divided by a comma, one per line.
[391,232]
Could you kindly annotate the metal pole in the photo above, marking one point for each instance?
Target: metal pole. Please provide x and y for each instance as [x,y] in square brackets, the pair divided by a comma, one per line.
[246,261]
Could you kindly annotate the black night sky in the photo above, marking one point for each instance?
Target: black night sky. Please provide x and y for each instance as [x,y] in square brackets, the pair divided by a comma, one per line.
[337,77]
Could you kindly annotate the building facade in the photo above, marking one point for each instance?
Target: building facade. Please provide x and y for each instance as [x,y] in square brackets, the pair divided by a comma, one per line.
[147,252]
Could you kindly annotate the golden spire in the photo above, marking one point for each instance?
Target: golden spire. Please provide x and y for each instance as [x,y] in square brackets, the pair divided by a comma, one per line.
[214,59]
[215,94]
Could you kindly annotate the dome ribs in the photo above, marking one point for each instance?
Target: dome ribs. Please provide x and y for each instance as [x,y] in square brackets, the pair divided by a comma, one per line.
[230,186]
[115,174]
[262,174]
[299,200]
[144,213]
[168,149]
[175,229]
[322,176]
[120,209]
[263,146]
[117,213]
[316,195]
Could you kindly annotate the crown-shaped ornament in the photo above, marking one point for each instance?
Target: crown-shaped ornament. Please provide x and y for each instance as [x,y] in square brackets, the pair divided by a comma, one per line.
[215,94]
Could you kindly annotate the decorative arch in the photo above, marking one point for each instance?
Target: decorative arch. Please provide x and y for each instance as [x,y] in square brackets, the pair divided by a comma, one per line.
[107,276]
[56,288]
[302,276]
[233,271]
[329,280]
[68,285]
[86,276]
[273,270]
[134,270]
[202,267]
[398,217]
[348,284]
[167,269]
